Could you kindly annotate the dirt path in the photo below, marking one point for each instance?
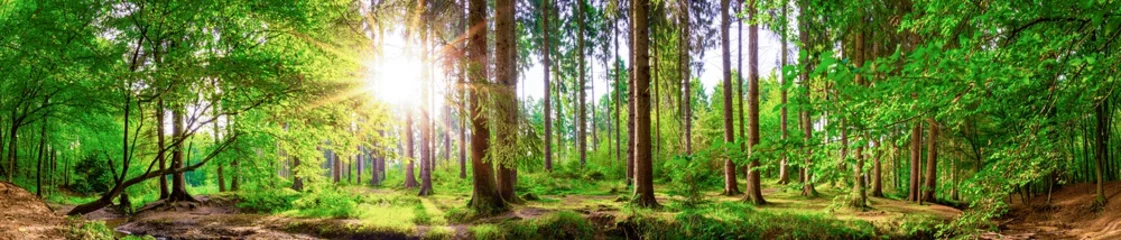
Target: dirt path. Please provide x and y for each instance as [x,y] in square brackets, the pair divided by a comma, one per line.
[1069,216]
[25,216]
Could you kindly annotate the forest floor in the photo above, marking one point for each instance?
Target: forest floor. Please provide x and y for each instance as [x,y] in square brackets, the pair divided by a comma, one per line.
[399,214]
[1069,215]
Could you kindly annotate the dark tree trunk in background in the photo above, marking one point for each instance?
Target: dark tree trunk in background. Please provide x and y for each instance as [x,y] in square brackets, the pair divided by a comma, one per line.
[546,52]
[507,77]
[484,198]
[730,184]
[644,181]
[631,96]
[1102,142]
[297,182]
[931,162]
[39,162]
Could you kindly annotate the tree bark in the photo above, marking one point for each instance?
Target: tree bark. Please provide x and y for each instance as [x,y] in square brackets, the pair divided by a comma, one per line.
[426,147]
[410,150]
[877,170]
[179,182]
[754,191]
[160,143]
[730,184]
[931,162]
[783,172]
[916,150]
[686,93]
[485,199]
[807,124]
[1102,142]
[546,53]
[506,75]
[644,181]
[581,111]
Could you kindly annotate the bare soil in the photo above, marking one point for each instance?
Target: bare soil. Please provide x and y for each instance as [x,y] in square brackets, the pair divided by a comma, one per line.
[25,216]
[1070,215]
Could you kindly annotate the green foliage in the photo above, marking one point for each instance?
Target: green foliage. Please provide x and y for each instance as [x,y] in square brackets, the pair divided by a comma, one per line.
[87,230]
[268,201]
[739,221]
[558,225]
[327,202]
[692,177]
[92,176]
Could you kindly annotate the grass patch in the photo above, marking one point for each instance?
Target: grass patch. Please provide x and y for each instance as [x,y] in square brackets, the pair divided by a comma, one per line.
[439,233]
[558,225]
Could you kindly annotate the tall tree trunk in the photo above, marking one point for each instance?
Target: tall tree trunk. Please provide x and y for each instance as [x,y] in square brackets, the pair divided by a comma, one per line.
[754,191]
[931,162]
[730,184]
[807,124]
[484,198]
[39,157]
[507,76]
[859,194]
[644,181]
[179,181]
[426,140]
[161,157]
[783,172]
[916,150]
[686,62]
[234,169]
[546,53]
[1102,142]
[462,87]
[618,93]
[877,170]
[631,99]
[581,111]
[410,149]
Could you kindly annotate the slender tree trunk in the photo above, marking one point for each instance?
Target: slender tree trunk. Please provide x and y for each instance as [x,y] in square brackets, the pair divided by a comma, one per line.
[807,124]
[783,172]
[234,169]
[484,198]
[730,184]
[1102,142]
[39,157]
[410,146]
[686,62]
[547,52]
[463,101]
[161,158]
[581,111]
[632,96]
[618,94]
[754,191]
[426,140]
[644,181]
[877,170]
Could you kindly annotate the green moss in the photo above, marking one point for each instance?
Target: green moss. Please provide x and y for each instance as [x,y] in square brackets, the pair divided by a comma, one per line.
[439,233]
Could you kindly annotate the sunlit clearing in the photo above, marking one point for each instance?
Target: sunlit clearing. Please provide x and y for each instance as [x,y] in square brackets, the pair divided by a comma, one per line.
[396,78]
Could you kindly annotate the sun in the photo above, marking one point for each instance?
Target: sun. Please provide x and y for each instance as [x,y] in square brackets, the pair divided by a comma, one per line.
[396,78]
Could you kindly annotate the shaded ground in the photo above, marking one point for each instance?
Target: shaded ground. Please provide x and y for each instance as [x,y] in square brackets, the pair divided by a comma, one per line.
[1070,215]
[25,216]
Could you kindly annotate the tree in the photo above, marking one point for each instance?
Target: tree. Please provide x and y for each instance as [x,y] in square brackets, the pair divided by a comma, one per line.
[804,76]
[410,149]
[581,115]
[931,162]
[546,53]
[754,192]
[506,99]
[916,151]
[484,197]
[730,184]
[426,131]
[644,179]
[686,93]
[783,171]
